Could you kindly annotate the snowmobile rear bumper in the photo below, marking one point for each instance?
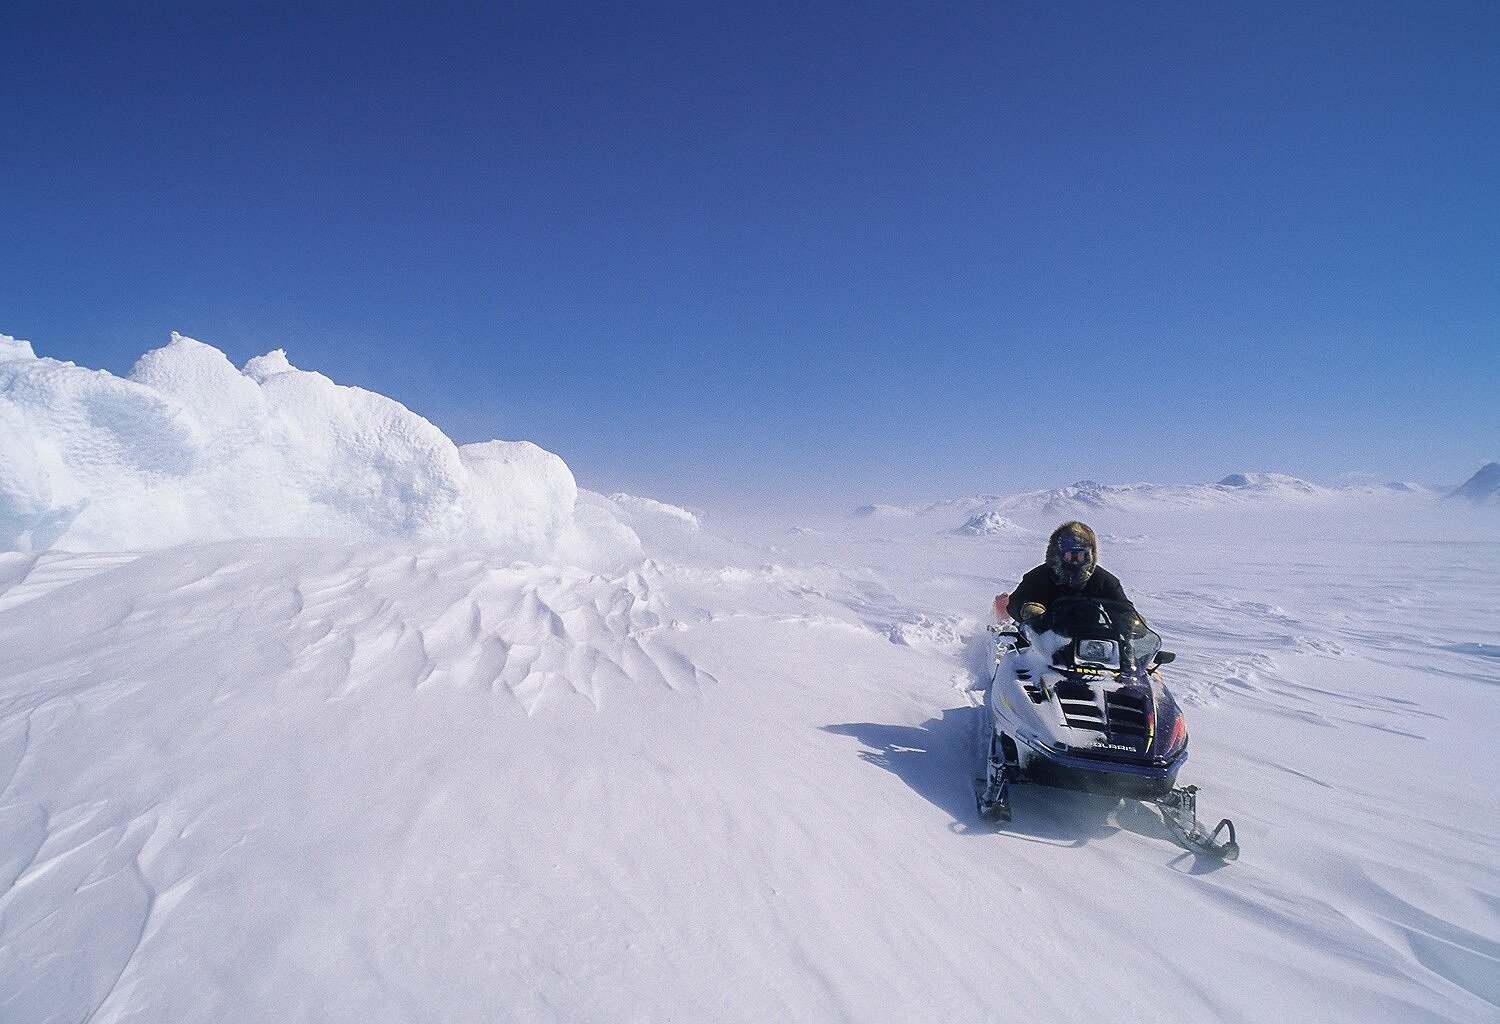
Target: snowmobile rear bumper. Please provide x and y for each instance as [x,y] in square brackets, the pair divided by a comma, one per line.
[1110,778]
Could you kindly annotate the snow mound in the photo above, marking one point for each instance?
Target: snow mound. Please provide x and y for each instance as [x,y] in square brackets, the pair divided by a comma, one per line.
[186,448]
[991,524]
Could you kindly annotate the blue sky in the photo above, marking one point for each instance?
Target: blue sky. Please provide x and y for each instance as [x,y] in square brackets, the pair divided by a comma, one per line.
[860,251]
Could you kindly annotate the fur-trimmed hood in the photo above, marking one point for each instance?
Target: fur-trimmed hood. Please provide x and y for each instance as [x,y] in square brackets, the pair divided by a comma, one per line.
[1071,575]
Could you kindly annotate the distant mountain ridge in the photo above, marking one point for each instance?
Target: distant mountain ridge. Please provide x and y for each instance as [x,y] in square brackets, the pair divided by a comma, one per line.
[1237,487]
[1483,488]
[985,514]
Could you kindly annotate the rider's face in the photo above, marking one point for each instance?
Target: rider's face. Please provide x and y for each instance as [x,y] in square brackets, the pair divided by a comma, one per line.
[1077,557]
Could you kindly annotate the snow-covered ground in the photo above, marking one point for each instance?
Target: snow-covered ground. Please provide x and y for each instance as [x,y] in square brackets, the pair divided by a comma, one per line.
[725,773]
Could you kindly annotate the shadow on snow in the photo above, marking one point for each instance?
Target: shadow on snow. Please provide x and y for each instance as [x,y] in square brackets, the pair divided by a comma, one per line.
[940,759]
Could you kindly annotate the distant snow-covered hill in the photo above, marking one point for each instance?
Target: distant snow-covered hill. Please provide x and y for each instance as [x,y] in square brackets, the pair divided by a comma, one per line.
[881,512]
[1235,488]
[989,514]
[990,524]
[1483,488]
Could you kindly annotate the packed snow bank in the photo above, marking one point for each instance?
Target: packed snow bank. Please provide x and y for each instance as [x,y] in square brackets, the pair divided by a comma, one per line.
[187,448]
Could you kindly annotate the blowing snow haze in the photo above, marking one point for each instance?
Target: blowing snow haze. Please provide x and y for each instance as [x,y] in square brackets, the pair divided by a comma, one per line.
[308,714]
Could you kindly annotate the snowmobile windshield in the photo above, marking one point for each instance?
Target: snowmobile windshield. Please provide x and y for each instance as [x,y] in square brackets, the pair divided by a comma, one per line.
[1083,618]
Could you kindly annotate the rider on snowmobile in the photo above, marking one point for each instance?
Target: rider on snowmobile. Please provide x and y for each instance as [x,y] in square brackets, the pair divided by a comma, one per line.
[1100,720]
[1072,569]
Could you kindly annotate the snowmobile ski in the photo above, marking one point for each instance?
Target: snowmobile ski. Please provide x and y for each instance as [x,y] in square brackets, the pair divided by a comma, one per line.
[1179,809]
[993,804]
[992,792]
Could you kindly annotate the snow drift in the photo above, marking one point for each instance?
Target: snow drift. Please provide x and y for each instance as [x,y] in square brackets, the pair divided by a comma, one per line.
[311,781]
[187,448]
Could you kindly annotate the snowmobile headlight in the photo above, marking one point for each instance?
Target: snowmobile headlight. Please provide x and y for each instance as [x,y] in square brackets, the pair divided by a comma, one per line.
[1105,653]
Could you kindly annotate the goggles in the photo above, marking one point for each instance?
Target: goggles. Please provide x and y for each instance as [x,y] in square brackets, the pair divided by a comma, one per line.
[1073,551]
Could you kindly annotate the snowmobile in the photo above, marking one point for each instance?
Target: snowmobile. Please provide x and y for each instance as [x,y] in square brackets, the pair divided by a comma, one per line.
[1076,702]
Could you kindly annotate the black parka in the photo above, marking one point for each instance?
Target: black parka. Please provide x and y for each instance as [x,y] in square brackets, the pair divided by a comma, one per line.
[1054,579]
[1041,586]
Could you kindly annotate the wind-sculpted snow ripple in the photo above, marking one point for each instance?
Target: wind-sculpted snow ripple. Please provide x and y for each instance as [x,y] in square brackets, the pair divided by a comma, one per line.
[339,619]
[311,781]
[436,620]
[134,690]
